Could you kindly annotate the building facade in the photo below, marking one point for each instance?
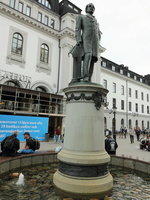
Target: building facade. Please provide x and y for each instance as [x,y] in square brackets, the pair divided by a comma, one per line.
[129,92]
[36,37]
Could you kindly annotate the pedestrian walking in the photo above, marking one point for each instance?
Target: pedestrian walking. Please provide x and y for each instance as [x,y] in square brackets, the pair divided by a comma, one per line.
[131,133]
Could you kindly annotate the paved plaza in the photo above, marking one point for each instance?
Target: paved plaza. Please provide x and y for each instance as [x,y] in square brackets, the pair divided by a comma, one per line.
[125,148]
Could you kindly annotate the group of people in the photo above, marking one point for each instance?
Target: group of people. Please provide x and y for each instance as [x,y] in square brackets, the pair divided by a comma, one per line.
[10,146]
[123,132]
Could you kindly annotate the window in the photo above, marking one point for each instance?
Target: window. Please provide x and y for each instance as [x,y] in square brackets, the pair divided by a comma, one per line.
[142,96]
[114,88]
[46,20]
[130,92]
[20,7]
[136,107]
[44,53]
[147,109]
[12,3]
[103,64]
[142,124]
[45,3]
[136,123]
[39,18]
[135,77]
[122,104]
[121,71]
[114,103]
[41,89]
[130,106]
[52,24]
[128,74]
[105,83]
[147,97]
[122,90]
[148,124]
[28,11]
[17,43]
[136,94]
[12,83]
[142,108]
[130,123]
[113,68]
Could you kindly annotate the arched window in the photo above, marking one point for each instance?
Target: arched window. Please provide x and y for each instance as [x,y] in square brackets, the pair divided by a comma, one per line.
[136,123]
[105,123]
[130,123]
[44,53]
[122,122]
[41,89]
[17,43]
[12,83]
[143,124]
[148,124]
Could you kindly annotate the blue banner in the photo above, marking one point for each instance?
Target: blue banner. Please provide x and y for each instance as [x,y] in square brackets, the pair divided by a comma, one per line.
[36,126]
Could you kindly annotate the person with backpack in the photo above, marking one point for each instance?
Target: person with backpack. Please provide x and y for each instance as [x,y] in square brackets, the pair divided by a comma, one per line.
[110,145]
[31,144]
[10,145]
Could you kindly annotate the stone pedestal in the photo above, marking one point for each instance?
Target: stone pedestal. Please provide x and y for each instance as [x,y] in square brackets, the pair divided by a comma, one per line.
[83,162]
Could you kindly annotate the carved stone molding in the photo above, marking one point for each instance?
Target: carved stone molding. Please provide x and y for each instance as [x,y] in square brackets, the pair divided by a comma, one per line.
[28,20]
[96,97]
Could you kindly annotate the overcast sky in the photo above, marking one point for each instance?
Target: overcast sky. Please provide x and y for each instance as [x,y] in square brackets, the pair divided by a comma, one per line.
[125,25]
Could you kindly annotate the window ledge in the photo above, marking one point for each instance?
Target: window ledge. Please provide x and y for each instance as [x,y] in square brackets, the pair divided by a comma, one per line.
[44,67]
[15,59]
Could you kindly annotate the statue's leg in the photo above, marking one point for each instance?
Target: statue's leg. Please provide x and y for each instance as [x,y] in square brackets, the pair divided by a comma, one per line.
[91,69]
[86,66]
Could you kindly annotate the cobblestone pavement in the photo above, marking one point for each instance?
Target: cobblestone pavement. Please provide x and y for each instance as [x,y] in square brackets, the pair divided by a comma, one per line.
[125,148]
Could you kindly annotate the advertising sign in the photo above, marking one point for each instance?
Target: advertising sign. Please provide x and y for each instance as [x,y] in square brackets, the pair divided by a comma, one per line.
[36,126]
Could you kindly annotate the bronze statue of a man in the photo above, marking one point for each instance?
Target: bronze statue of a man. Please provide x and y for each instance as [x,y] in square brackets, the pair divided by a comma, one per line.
[88,36]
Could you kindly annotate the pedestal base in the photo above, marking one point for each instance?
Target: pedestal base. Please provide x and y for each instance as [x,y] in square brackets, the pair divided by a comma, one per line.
[76,187]
[83,161]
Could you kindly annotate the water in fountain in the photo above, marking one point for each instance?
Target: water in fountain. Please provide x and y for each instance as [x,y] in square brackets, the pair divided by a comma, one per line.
[128,184]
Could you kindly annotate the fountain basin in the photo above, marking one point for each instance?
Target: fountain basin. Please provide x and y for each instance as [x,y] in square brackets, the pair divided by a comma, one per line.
[128,184]
[8,164]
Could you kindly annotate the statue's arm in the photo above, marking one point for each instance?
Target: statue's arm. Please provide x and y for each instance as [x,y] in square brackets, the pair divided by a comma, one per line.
[99,33]
[78,29]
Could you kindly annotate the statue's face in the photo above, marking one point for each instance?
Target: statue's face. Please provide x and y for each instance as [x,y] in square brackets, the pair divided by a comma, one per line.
[90,8]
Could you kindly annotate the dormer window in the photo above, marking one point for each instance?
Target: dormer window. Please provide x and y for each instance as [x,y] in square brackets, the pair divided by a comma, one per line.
[121,71]
[103,64]
[113,68]
[45,3]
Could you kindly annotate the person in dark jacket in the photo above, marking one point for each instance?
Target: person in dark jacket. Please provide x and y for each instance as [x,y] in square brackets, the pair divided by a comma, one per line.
[29,145]
[10,145]
[110,145]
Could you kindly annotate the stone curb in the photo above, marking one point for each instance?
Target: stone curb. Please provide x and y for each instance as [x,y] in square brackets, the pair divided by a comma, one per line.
[11,163]
[131,163]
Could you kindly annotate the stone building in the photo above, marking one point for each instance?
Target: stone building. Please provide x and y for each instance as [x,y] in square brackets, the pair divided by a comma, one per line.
[36,36]
[129,92]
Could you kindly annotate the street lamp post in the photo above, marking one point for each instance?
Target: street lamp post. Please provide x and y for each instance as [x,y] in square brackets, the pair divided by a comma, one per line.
[114,109]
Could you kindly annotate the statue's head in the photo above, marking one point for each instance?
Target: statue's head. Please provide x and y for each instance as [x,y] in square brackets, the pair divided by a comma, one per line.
[90,8]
